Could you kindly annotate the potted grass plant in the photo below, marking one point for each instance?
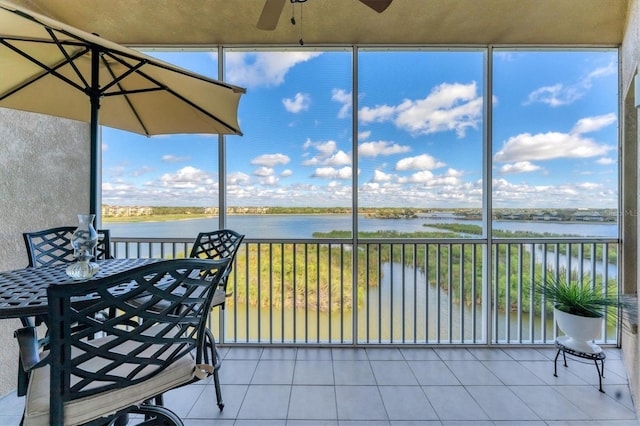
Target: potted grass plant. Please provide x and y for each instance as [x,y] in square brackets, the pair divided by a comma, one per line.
[579,308]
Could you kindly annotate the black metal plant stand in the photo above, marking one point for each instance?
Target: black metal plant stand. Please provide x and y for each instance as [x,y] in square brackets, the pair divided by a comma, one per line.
[595,357]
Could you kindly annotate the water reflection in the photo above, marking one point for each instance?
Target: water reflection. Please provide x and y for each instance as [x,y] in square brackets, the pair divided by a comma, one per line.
[413,312]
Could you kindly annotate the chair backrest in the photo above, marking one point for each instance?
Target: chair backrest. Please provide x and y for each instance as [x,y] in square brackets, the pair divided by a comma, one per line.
[220,244]
[53,246]
[169,301]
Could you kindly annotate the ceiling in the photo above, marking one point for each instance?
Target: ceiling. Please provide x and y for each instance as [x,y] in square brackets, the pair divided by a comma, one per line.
[233,22]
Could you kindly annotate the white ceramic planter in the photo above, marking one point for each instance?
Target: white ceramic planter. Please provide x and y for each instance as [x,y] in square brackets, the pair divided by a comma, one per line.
[580,331]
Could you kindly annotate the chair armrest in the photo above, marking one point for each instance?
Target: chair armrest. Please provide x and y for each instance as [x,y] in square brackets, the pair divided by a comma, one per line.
[29,347]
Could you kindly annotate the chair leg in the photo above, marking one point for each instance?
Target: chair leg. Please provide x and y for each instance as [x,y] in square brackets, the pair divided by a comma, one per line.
[23,376]
[155,415]
[23,380]
[216,382]
[216,362]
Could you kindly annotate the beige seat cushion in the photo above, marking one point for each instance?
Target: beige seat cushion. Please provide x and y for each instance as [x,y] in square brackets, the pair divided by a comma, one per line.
[83,410]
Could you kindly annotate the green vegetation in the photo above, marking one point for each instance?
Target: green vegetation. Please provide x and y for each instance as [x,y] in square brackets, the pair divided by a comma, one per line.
[317,277]
[580,296]
[297,274]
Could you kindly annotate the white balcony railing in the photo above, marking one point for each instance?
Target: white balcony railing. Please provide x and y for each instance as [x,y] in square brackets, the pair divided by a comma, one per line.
[406,292]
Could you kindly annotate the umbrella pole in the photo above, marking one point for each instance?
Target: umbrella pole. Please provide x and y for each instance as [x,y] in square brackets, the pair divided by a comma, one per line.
[94,96]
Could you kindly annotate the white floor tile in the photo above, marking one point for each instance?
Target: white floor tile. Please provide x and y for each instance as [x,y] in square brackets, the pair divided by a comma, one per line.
[309,386]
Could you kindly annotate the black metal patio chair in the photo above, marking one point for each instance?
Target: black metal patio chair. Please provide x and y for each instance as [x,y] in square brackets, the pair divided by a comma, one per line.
[49,247]
[53,246]
[219,244]
[86,380]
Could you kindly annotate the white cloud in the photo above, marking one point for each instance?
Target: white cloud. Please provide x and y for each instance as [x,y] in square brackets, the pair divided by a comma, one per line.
[379,176]
[262,69]
[609,69]
[370,187]
[142,171]
[446,181]
[554,96]
[327,154]
[560,94]
[605,161]
[332,173]
[379,114]
[580,194]
[340,158]
[187,177]
[519,167]
[548,146]
[326,148]
[589,186]
[238,178]
[453,173]
[593,124]
[269,181]
[168,158]
[344,98]
[313,161]
[286,173]
[449,107]
[364,135]
[300,102]
[450,179]
[270,160]
[423,176]
[263,171]
[373,149]
[420,162]
[111,188]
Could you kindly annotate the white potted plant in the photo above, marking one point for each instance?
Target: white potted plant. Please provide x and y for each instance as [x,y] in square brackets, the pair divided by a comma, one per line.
[580,307]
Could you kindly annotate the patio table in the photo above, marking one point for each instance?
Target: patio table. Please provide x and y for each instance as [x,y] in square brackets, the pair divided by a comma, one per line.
[23,292]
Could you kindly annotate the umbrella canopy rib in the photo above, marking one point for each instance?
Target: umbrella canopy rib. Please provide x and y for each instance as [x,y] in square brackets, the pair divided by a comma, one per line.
[47,70]
[118,79]
[125,93]
[70,61]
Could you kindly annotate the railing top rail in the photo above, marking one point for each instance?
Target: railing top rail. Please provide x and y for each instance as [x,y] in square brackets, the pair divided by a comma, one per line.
[151,240]
[469,240]
[556,240]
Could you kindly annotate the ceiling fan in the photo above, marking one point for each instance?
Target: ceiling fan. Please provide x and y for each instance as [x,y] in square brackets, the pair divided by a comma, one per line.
[273,8]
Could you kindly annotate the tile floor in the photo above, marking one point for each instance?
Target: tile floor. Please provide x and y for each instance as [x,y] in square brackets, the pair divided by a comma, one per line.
[388,386]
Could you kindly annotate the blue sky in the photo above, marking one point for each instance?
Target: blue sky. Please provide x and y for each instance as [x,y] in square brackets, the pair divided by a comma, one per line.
[420,132]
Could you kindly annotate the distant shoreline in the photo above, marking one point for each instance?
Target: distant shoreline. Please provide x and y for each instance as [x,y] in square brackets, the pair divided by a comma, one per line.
[185,217]
[153,218]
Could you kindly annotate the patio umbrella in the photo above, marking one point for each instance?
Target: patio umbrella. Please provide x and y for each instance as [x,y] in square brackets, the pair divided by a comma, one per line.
[52,68]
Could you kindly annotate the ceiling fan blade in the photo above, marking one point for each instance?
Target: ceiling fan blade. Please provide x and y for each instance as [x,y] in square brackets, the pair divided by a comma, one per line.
[377,5]
[270,14]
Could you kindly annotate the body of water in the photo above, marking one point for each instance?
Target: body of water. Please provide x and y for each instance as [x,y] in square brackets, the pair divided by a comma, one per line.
[303,226]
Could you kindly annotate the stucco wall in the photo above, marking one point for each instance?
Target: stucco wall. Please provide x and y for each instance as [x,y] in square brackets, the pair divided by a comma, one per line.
[44,182]
[630,59]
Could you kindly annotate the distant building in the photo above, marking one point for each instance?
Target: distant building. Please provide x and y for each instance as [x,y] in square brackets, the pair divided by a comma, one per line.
[586,216]
[126,211]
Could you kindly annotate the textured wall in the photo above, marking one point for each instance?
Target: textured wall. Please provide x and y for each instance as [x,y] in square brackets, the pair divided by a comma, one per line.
[630,57]
[44,182]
